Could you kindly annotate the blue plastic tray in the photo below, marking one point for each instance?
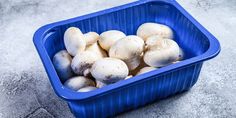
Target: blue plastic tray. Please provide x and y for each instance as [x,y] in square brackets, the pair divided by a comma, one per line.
[198,44]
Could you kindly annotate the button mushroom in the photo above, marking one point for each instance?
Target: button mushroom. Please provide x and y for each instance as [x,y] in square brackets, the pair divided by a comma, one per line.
[128,49]
[87,89]
[108,38]
[82,62]
[74,40]
[91,38]
[145,70]
[152,41]
[109,70]
[97,50]
[62,61]
[76,83]
[162,53]
[148,29]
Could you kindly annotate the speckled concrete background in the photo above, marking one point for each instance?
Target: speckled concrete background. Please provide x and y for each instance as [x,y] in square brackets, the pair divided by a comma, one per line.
[25,90]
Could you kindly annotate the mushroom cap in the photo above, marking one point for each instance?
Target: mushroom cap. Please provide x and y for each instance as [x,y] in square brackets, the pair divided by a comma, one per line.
[76,83]
[83,61]
[62,61]
[91,38]
[87,89]
[108,38]
[129,49]
[95,48]
[74,41]
[109,70]
[148,29]
[145,70]
[164,52]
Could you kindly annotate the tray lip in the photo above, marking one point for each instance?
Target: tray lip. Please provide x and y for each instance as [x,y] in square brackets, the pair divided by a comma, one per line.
[70,95]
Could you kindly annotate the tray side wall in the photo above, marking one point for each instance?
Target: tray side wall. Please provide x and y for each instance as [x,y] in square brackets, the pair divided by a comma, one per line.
[138,94]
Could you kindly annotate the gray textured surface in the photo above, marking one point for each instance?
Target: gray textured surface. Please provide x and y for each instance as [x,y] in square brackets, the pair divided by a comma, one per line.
[25,90]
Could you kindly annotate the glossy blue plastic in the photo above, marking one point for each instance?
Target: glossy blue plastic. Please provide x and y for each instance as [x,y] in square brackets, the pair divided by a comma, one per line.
[198,44]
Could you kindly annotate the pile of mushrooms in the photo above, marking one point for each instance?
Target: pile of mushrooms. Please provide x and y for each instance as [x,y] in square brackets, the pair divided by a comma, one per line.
[93,61]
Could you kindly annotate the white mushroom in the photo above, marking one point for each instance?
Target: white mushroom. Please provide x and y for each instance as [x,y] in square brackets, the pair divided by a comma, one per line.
[164,52]
[128,49]
[62,61]
[148,29]
[76,83]
[97,50]
[82,62]
[152,41]
[74,40]
[87,89]
[128,77]
[108,38]
[91,38]
[100,84]
[145,70]
[109,70]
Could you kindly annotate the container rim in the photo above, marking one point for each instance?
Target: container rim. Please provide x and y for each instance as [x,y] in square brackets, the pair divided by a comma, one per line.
[69,95]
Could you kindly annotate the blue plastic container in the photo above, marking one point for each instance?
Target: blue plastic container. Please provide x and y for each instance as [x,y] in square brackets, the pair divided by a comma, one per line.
[198,44]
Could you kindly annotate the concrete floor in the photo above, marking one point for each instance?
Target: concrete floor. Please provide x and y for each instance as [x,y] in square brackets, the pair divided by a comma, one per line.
[26,92]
